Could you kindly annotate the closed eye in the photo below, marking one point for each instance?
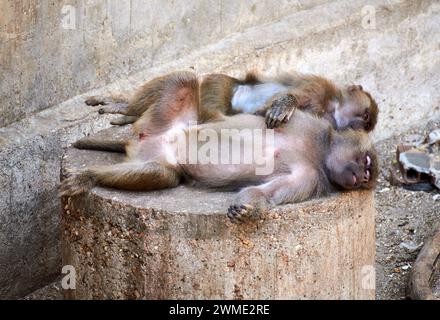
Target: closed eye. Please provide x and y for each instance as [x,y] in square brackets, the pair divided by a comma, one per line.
[366,116]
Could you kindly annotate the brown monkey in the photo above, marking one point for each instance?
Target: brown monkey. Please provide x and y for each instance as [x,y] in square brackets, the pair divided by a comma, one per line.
[310,158]
[275,98]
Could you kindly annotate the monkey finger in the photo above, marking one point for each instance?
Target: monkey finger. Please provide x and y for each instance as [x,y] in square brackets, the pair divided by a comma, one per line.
[235,215]
[287,115]
[285,118]
[268,122]
[274,123]
[234,218]
[232,213]
[273,120]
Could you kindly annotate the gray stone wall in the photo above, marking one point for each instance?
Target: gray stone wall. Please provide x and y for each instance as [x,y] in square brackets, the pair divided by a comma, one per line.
[53,50]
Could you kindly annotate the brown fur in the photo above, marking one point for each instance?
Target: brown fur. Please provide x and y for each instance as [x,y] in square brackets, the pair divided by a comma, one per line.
[313,92]
[310,93]
[310,158]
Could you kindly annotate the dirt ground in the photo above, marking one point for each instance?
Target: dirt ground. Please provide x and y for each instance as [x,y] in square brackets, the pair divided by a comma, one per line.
[404,219]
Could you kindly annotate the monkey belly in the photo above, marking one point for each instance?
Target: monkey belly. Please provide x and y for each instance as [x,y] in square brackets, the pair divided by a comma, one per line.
[223,175]
[250,98]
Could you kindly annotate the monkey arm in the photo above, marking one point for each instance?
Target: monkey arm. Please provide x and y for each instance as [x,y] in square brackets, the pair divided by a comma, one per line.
[297,186]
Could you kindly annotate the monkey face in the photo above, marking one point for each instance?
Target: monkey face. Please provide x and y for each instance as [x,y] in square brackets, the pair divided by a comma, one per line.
[353,165]
[358,111]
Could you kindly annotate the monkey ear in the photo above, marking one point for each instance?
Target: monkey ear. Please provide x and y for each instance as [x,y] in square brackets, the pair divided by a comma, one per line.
[355,87]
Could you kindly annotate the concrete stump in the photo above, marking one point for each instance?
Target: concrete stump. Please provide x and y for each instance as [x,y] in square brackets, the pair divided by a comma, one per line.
[179,244]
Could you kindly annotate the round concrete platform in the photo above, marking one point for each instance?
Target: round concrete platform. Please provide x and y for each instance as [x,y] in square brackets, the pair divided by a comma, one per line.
[179,244]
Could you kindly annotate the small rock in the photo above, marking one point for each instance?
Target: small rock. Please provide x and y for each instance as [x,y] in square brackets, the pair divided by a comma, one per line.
[406,267]
[434,136]
[410,246]
[436,197]
[384,190]
[404,223]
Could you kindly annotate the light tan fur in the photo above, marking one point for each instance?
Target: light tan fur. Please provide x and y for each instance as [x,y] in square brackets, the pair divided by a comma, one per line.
[310,158]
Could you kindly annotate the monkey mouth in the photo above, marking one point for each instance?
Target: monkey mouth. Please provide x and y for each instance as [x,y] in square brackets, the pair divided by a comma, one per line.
[363,179]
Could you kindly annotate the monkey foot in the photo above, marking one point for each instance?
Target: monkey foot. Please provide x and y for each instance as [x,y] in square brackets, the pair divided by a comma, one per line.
[241,213]
[76,183]
[95,101]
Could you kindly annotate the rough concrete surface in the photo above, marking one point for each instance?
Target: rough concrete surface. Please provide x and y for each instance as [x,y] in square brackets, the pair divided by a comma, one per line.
[402,217]
[29,175]
[63,48]
[167,245]
[41,65]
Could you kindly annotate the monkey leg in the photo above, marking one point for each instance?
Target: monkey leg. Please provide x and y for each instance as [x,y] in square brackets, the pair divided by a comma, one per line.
[280,109]
[106,100]
[178,103]
[115,108]
[136,176]
[122,121]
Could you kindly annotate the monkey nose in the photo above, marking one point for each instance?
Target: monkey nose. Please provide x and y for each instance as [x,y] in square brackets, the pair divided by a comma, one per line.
[367,175]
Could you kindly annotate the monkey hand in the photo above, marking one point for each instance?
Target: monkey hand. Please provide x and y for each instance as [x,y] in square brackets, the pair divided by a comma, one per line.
[249,205]
[242,213]
[281,110]
[77,182]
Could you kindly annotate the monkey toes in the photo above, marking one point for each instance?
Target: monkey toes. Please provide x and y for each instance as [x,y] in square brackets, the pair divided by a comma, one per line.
[95,101]
[242,213]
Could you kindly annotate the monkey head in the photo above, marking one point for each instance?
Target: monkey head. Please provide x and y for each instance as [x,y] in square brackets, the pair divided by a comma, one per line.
[352,161]
[357,111]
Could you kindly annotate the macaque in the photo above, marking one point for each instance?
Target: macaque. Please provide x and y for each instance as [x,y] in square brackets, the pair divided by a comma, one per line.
[303,158]
[274,98]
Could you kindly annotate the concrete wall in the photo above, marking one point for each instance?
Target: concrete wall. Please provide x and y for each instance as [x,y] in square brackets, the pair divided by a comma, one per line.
[53,50]
[43,64]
